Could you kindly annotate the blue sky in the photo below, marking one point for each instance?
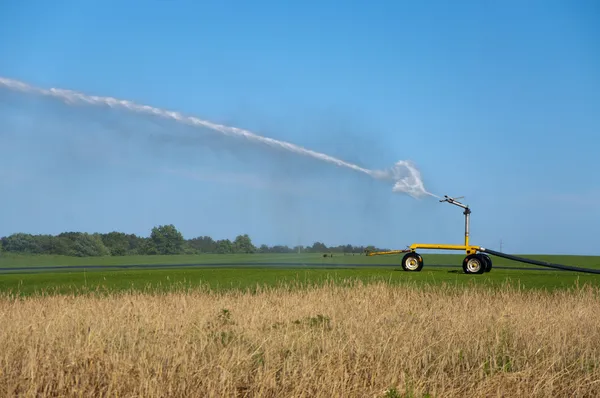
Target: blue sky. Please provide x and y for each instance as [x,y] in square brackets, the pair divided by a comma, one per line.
[496,101]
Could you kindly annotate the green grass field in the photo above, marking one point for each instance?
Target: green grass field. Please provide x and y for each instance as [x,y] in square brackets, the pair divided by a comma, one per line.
[9,261]
[282,268]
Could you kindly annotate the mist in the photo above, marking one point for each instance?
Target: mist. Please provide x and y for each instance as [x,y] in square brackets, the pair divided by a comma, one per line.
[68,153]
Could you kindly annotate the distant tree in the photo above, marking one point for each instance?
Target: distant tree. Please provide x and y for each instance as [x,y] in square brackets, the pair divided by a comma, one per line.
[359,249]
[82,244]
[336,249]
[47,244]
[118,243]
[21,243]
[90,245]
[167,239]
[203,244]
[319,247]
[135,243]
[243,244]
[224,246]
[54,245]
[147,247]
[164,239]
[281,249]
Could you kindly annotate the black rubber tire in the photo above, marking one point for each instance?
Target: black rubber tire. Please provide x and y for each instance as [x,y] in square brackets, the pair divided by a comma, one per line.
[412,262]
[474,264]
[488,262]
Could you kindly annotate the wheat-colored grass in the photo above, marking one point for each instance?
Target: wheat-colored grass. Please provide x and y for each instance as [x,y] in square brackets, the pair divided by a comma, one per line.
[329,341]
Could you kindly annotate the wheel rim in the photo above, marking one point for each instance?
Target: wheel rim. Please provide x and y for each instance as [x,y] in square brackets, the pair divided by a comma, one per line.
[411,263]
[473,265]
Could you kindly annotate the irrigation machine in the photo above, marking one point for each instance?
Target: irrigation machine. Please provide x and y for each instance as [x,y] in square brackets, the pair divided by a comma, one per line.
[475,262]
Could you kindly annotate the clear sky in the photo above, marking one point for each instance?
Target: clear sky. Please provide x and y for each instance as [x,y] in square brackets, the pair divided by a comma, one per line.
[496,101]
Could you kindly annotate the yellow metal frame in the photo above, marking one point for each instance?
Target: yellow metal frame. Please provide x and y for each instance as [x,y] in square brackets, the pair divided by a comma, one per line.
[469,249]
[387,252]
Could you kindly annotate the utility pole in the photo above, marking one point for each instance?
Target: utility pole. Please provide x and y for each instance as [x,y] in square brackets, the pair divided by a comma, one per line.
[500,245]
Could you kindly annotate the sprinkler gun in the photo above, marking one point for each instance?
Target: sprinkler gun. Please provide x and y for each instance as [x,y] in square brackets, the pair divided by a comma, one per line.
[467,214]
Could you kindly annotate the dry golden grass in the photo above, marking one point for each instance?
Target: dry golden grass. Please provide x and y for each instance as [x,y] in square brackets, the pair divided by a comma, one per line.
[328,341]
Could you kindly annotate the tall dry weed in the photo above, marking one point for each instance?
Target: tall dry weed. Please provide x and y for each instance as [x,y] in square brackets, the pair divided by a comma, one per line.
[330,341]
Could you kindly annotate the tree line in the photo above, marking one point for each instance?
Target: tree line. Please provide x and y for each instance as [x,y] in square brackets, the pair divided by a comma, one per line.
[163,240]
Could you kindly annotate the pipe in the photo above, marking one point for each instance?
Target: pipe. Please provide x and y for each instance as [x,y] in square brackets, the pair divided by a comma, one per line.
[541,263]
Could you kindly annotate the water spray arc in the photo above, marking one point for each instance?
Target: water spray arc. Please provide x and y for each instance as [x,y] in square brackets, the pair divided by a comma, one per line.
[404,174]
[476,260]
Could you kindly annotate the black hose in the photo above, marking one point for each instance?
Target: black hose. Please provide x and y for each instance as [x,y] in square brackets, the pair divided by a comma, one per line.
[542,263]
